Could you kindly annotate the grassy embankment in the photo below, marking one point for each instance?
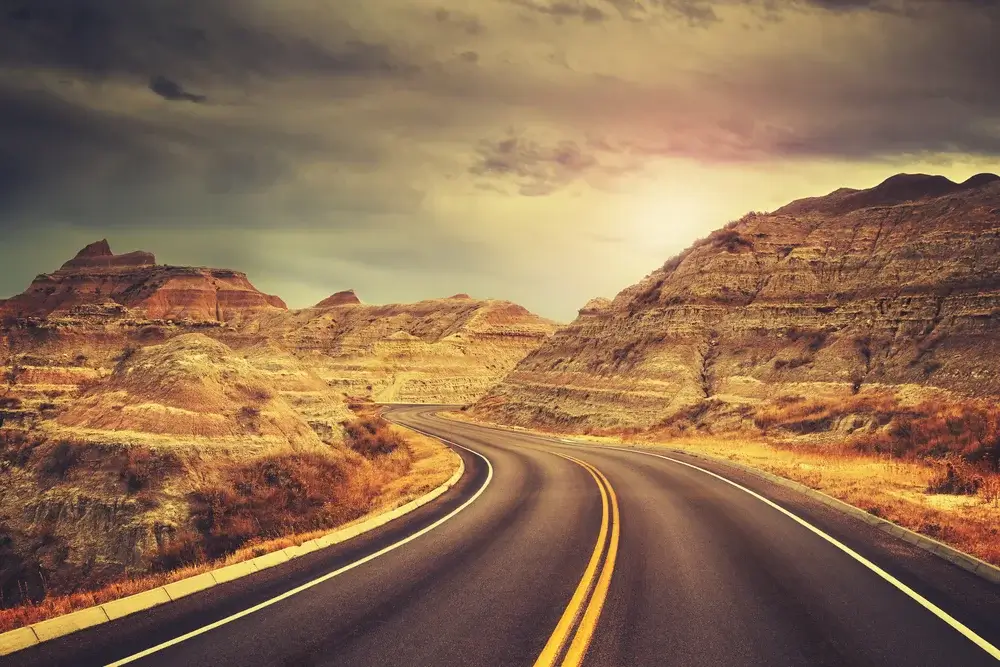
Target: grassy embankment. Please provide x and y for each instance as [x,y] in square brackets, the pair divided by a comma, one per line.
[264,506]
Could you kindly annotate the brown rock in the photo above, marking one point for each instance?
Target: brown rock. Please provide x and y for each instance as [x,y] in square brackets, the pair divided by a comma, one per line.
[96,276]
[345,298]
[897,286]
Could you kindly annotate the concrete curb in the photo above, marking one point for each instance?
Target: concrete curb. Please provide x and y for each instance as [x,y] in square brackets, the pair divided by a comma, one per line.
[36,633]
[963,560]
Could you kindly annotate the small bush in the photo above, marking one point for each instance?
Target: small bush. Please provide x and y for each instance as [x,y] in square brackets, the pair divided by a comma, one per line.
[127,353]
[141,467]
[17,446]
[730,240]
[260,394]
[59,459]
[957,477]
[178,549]
[271,497]
[13,372]
[372,436]
[10,402]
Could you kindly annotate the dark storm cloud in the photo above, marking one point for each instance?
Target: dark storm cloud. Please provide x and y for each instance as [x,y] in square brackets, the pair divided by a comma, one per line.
[462,20]
[193,39]
[563,9]
[171,90]
[534,168]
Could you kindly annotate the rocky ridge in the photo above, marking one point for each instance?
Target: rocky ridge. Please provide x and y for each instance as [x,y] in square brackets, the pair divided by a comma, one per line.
[134,280]
[896,287]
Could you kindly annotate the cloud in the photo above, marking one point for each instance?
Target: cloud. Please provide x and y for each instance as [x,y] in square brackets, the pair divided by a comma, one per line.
[171,90]
[563,9]
[534,168]
[462,20]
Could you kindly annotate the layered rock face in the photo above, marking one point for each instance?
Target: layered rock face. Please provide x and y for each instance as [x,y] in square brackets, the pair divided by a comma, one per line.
[895,286]
[435,351]
[97,276]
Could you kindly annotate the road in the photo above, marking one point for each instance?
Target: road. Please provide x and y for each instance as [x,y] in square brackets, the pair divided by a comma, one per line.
[550,553]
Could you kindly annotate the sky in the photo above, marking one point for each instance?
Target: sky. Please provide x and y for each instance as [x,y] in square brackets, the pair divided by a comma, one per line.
[541,151]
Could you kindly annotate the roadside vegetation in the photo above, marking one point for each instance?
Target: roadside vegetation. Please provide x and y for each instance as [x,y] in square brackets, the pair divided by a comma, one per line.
[242,510]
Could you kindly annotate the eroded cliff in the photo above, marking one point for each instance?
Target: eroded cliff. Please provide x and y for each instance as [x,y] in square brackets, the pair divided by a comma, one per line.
[895,287]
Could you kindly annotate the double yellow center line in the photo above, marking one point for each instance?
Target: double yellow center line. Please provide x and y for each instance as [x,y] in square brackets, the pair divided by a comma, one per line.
[584,609]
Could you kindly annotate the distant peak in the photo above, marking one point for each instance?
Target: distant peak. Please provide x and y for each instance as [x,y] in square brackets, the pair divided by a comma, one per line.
[916,182]
[898,189]
[595,306]
[460,297]
[98,255]
[96,249]
[979,180]
[343,298]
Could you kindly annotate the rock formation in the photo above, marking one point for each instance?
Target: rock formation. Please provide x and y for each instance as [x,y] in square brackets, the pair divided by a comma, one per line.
[435,351]
[97,276]
[896,286]
[345,298]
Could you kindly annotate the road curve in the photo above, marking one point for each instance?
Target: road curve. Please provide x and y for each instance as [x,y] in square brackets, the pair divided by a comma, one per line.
[640,561]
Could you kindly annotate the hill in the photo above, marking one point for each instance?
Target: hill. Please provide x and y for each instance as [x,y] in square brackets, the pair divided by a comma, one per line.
[892,289]
[134,280]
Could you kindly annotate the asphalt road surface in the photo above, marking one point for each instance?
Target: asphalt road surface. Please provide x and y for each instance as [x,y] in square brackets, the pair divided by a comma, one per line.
[550,553]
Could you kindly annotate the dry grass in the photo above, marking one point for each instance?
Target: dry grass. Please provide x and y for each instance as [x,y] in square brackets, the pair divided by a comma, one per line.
[897,490]
[419,466]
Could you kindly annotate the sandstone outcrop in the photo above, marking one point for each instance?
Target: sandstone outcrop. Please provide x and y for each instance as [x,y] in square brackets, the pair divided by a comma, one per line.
[435,351]
[345,298]
[134,280]
[897,286]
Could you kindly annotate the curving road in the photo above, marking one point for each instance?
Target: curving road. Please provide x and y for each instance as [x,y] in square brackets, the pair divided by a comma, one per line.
[550,553]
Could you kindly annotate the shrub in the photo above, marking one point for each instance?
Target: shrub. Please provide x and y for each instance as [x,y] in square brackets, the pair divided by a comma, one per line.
[730,240]
[13,372]
[141,467]
[10,402]
[127,353]
[371,436]
[59,459]
[957,477]
[273,496]
[178,549]
[17,446]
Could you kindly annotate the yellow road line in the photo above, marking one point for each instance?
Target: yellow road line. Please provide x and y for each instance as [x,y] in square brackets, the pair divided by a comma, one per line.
[584,634]
[590,581]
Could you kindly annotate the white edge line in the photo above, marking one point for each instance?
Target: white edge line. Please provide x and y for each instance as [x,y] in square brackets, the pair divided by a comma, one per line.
[917,597]
[319,580]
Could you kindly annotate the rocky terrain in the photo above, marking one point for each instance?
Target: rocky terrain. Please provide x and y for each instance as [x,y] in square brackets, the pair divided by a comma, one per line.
[436,351]
[97,276]
[892,291]
[153,416]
